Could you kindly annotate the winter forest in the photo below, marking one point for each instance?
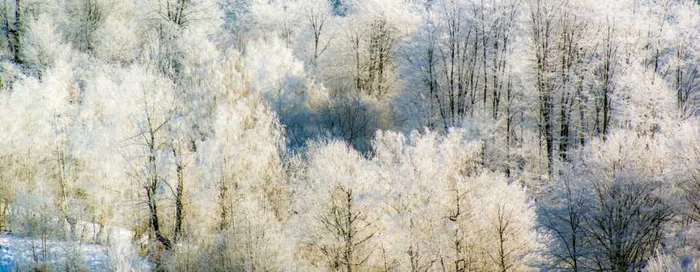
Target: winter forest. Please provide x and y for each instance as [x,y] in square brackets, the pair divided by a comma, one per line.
[349,135]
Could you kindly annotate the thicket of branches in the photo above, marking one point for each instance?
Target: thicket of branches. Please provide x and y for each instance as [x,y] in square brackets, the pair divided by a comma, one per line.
[355,135]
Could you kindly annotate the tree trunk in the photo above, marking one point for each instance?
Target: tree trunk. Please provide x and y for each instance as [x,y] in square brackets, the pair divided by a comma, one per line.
[155,222]
[178,196]
[152,187]
[15,33]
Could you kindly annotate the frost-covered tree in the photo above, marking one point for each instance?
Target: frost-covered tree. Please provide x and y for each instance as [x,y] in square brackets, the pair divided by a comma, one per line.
[145,150]
[447,211]
[612,213]
[333,197]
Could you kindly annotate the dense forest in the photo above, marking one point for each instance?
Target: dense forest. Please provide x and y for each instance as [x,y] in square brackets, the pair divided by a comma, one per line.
[353,135]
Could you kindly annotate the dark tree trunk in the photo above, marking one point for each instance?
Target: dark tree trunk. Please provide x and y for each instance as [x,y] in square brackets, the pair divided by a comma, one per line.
[179,209]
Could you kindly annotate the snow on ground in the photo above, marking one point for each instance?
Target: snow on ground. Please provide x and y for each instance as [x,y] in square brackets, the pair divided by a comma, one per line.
[5,257]
[18,252]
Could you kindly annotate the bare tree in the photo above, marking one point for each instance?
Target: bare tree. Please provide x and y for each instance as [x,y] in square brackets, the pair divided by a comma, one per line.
[149,172]
[563,214]
[627,224]
[346,224]
[89,16]
[542,21]
[318,18]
